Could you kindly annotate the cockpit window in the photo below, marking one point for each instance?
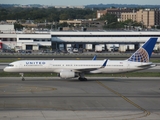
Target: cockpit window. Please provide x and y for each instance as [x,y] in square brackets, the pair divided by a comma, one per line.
[11,65]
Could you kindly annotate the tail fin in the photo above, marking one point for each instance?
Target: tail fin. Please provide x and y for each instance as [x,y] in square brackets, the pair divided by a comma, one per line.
[144,53]
[95,57]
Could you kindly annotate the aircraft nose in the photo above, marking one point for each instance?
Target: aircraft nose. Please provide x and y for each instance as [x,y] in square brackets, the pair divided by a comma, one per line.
[5,69]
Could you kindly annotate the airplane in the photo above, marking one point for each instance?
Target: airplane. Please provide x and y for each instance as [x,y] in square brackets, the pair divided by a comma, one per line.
[78,68]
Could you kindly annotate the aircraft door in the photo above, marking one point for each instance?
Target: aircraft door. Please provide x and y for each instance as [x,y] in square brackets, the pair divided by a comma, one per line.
[19,65]
[128,66]
[50,66]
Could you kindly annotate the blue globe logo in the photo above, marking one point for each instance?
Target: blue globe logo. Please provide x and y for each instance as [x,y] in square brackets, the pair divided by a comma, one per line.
[140,55]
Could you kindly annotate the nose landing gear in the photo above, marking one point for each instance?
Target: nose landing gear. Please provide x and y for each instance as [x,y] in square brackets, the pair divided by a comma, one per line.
[22,75]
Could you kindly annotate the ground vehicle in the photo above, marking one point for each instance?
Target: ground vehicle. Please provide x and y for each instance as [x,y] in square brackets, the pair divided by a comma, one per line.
[98,48]
[75,50]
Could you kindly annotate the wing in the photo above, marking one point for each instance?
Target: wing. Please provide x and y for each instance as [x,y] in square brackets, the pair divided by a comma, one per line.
[91,69]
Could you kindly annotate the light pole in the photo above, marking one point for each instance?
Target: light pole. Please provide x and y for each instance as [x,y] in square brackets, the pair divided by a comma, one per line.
[131,27]
[142,24]
[125,27]
[128,27]
[155,27]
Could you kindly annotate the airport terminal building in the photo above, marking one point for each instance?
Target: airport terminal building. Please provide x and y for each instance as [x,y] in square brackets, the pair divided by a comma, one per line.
[87,40]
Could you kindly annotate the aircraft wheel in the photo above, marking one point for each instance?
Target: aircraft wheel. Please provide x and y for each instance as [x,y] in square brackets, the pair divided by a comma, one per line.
[82,79]
[23,79]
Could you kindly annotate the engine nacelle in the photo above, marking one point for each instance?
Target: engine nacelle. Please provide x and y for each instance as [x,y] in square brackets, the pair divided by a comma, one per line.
[67,74]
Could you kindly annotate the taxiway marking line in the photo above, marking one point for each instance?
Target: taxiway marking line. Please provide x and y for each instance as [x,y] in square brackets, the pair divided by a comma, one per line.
[147,113]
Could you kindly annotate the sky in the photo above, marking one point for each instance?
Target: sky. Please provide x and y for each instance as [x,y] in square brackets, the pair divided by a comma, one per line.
[80,2]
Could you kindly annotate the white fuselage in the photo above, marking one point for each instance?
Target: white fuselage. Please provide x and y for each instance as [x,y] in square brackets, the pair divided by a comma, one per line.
[78,66]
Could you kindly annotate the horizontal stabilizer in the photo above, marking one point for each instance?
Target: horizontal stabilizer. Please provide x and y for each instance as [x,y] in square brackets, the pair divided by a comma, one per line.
[148,65]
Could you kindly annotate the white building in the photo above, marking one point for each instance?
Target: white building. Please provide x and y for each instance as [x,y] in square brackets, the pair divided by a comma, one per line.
[76,39]
[33,41]
[7,28]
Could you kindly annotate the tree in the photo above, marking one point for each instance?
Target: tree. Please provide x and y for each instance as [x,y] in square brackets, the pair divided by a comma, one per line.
[110,21]
[18,26]
[109,18]
[51,13]
[23,21]
[65,24]
[63,16]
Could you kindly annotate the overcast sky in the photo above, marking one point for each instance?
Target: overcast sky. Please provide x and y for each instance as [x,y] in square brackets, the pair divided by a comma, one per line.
[80,2]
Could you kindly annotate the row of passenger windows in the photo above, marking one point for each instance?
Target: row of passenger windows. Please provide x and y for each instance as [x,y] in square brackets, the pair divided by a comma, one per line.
[11,65]
[86,65]
[76,65]
[114,65]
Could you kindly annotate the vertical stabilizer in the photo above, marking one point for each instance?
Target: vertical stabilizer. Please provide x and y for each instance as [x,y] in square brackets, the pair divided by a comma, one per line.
[144,53]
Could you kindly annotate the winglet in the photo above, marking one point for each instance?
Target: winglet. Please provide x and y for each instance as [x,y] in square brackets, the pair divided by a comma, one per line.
[95,57]
[104,64]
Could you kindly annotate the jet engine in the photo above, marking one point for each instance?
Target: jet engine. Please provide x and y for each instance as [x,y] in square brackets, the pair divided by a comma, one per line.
[67,74]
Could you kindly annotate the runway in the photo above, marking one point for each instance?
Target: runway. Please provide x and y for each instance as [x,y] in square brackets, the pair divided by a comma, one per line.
[44,98]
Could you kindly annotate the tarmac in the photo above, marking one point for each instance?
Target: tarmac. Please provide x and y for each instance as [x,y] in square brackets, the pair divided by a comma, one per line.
[113,98]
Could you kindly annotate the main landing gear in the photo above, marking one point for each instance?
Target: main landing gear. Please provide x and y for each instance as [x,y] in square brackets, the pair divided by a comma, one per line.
[22,75]
[81,77]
